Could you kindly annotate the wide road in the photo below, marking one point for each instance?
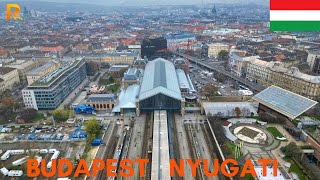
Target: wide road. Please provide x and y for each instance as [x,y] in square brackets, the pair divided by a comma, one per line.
[221,70]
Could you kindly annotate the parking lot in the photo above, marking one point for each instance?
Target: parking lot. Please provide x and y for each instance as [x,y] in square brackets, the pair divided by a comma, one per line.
[201,77]
[68,150]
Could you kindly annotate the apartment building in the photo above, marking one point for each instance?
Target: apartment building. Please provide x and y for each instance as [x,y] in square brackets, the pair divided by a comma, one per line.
[214,49]
[37,73]
[53,88]
[179,39]
[238,62]
[313,61]
[135,47]
[8,78]
[116,57]
[274,73]
[23,66]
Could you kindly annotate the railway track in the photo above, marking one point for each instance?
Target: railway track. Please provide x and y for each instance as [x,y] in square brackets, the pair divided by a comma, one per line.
[146,152]
[112,145]
[209,140]
[175,142]
[126,145]
[193,150]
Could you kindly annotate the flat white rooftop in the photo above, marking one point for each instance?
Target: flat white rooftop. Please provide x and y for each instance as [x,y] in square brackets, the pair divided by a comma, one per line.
[269,174]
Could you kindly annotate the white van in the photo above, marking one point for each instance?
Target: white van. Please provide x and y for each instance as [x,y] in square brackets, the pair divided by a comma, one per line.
[4,171]
[16,173]
[44,151]
[52,150]
[6,155]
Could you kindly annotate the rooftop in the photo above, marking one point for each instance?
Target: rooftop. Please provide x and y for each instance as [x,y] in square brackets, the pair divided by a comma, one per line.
[59,73]
[182,78]
[132,74]
[127,98]
[178,36]
[5,70]
[118,67]
[293,71]
[285,102]
[115,53]
[42,68]
[21,64]
[101,97]
[218,44]
[227,108]
[160,78]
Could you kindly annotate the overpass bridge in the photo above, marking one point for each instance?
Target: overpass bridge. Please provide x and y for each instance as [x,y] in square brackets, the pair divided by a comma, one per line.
[221,70]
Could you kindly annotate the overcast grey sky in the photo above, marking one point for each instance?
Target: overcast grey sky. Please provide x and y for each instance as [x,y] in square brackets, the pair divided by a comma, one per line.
[154,2]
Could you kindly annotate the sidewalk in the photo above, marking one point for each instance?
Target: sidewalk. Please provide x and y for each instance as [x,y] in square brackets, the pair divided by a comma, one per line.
[287,135]
[74,94]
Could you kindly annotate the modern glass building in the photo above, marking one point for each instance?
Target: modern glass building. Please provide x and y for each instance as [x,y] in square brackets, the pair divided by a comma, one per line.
[52,89]
[277,103]
[160,87]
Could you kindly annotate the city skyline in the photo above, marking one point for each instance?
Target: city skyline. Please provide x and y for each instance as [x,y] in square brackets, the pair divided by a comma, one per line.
[153,2]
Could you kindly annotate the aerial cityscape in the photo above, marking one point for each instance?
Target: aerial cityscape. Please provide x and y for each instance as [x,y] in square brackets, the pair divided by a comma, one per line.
[147,83]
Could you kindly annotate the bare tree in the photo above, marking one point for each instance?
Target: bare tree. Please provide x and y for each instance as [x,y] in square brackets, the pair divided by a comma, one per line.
[237,111]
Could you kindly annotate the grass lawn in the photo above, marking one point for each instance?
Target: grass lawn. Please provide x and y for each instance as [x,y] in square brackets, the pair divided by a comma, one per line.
[295,168]
[248,177]
[317,117]
[232,147]
[274,131]
[113,88]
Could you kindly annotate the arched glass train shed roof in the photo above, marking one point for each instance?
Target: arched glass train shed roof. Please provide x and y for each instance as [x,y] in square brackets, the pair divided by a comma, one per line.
[160,78]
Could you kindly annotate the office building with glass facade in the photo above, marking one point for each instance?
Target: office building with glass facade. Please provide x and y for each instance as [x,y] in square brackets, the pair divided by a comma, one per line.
[51,90]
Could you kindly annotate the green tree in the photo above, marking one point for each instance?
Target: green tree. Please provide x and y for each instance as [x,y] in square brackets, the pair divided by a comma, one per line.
[92,68]
[209,89]
[29,114]
[60,115]
[217,128]
[111,79]
[9,103]
[226,150]
[122,71]
[223,55]
[292,150]
[92,128]
[237,110]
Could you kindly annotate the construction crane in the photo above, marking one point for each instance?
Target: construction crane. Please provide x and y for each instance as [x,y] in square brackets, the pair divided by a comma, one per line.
[189,43]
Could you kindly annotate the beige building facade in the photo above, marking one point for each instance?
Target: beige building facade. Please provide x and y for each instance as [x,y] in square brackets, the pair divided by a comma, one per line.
[291,79]
[214,49]
[117,57]
[8,78]
[102,101]
[37,73]
[23,66]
